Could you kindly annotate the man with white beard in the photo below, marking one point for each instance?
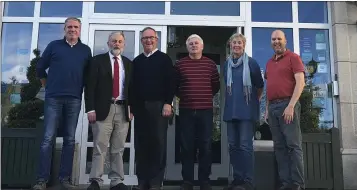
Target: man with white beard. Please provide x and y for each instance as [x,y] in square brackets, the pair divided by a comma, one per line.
[107,107]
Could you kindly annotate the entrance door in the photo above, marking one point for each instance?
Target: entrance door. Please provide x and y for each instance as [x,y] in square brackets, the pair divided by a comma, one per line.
[220,155]
[98,37]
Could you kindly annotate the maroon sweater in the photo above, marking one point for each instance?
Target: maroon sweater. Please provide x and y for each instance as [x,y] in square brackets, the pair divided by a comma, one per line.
[198,82]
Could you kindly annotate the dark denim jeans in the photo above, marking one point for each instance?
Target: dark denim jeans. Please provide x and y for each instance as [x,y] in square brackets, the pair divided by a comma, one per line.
[240,141]
[66,110]
[287,144]
[196,125]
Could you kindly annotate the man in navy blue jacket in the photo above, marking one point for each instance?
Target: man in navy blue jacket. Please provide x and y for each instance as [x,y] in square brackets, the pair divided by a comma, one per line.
[67,60]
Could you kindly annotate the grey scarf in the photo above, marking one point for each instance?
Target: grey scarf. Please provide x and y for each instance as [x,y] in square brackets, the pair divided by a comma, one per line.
[247,83]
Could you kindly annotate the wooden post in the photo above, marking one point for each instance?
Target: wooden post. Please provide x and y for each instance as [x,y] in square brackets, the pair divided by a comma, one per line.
[336,160]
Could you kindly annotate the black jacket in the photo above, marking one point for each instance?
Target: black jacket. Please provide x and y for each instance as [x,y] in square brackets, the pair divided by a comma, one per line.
[98,91]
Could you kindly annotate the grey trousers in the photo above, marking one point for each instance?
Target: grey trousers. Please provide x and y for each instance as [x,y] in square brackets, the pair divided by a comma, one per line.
[287,144]
[113,131]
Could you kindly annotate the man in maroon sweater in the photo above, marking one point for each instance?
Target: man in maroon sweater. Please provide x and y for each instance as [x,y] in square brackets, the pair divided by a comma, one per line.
[198,82]
[285,82]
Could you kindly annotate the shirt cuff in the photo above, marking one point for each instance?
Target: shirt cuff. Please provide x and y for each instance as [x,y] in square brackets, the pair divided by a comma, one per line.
[91,111]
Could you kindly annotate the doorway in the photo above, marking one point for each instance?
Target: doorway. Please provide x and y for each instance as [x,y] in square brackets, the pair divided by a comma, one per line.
[215,47]
[98,37]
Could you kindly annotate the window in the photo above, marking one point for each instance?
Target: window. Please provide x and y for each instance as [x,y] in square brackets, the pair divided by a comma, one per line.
[19,9]
[101,46]
[130,7]
[314,48]
[61,9]
[313,12]
[16,50]
[262,51]
[271,11]
[213,8]
[47,33]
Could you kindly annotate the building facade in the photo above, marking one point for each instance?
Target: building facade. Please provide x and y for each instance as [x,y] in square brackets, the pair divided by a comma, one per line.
[325,32]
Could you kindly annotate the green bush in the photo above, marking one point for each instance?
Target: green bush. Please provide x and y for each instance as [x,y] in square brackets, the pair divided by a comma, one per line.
[29,111]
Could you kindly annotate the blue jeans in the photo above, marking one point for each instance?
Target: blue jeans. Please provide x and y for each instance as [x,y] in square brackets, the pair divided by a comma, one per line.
[66,111]
[240,141]
[196,127]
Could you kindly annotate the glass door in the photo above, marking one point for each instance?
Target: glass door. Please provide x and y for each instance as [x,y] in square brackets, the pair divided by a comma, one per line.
[220,156]
[98,37]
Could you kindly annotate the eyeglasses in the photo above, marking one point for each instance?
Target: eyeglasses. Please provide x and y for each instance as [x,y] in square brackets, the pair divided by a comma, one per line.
[149,37]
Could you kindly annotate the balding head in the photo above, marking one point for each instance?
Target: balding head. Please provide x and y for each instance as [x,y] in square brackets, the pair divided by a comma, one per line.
[278,42]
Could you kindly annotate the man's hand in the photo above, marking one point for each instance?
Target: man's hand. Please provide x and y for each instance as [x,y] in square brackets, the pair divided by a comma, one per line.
[131,116]
[91,117]
[289,114]
[166,110]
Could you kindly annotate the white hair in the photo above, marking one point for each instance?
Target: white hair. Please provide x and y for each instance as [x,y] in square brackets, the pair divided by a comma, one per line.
[194,36]
[115,33]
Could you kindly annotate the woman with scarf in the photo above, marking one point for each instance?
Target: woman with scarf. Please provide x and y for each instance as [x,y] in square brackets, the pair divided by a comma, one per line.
[244,88]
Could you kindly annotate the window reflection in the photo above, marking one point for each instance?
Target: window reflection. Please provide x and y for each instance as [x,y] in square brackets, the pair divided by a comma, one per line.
[271,11]
[130,7]
[262,51]
[19,9]
[47,33]
[101,46]
[61,9]
[213,8]
[313,12]
[16,50]
[314,46]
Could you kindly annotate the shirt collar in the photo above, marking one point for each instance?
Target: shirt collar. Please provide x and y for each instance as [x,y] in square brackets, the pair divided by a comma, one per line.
[153,51]
[79,40]
[112,56]
[287,51]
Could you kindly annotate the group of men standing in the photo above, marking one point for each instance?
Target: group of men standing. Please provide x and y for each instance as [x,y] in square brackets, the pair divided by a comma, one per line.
[117,89]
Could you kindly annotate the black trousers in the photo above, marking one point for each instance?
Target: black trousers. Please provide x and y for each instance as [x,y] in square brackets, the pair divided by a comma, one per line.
[150,133]
[196,125]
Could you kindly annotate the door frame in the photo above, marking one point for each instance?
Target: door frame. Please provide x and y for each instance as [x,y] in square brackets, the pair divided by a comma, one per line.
[131,178]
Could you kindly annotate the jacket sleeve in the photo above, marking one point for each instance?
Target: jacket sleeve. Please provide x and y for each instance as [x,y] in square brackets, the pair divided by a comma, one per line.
[89,92]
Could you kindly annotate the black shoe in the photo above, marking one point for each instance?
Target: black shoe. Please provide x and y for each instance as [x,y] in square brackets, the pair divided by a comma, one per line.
[155,187]
[205,186]
[234,184]
[120,186]
[284,187]
[244,186]
[295,187]
[140,186]
[186,186]
[93,186]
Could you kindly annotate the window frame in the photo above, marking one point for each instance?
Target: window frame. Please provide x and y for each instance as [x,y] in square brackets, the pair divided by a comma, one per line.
[244,20]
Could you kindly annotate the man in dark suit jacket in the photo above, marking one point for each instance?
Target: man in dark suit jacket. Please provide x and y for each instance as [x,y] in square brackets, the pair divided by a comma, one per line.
[108,110]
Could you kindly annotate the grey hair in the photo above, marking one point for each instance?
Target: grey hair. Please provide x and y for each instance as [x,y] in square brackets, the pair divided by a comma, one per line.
[73,18]
[194,36]
[238,35]
[115,33]
[150,28]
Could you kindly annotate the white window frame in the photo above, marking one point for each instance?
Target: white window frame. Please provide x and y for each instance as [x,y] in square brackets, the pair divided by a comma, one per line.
[166,19]
[295,26]
[89,17]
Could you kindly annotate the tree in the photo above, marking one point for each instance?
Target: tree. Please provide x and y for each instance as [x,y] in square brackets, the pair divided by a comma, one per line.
[28,112]
[309,118]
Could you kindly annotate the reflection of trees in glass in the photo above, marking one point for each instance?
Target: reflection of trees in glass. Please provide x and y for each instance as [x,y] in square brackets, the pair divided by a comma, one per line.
[28,112]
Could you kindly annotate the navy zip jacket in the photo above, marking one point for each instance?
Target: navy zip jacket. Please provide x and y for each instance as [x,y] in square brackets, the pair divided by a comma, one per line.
[67,68]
